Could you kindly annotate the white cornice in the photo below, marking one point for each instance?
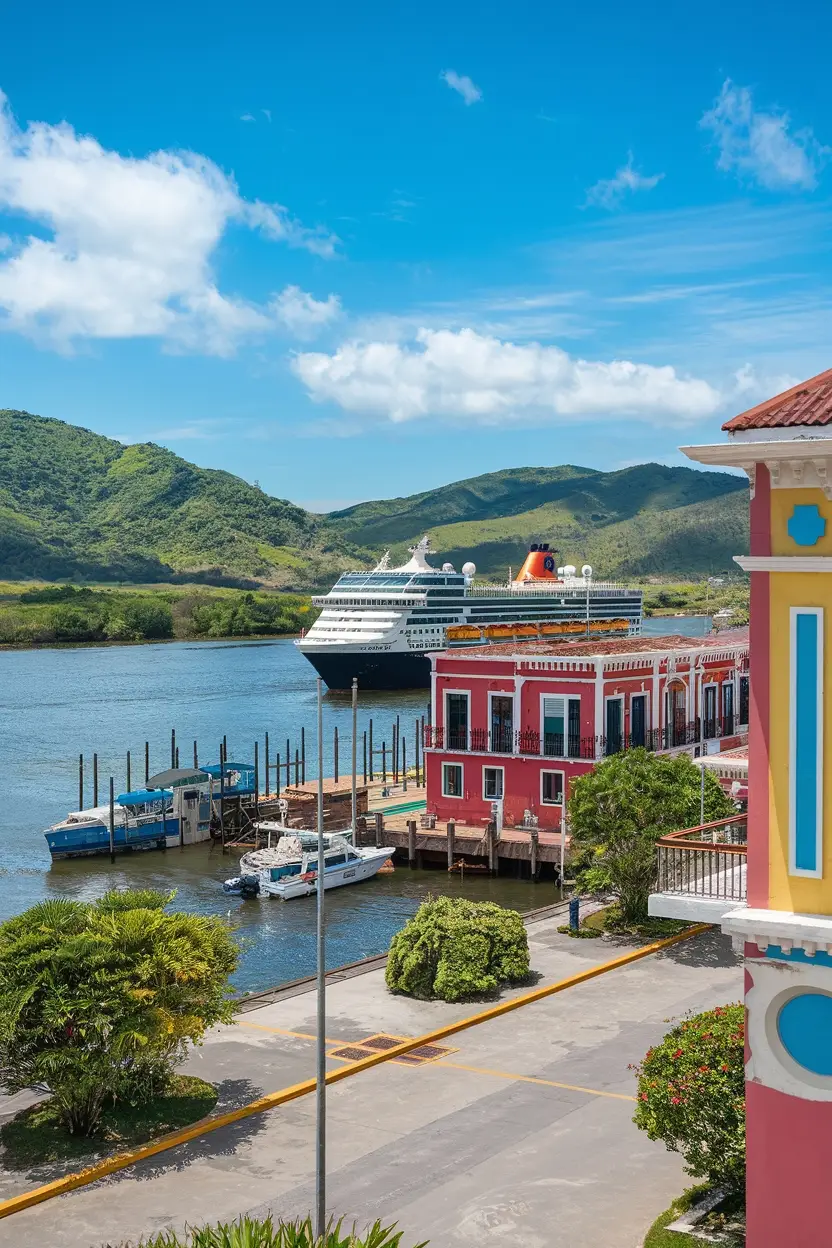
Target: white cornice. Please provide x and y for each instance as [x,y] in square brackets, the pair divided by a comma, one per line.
[809,932]
[784,563]
[792,463]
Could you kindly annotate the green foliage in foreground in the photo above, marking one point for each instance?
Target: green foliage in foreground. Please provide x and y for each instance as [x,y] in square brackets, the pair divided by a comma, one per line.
[256,1233]
[691,1095]
[453,948]
[617,812]
[38,1136]
[100,1000]
[66,614]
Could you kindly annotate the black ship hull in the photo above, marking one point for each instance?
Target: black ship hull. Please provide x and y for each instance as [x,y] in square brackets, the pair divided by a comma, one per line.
[374,671]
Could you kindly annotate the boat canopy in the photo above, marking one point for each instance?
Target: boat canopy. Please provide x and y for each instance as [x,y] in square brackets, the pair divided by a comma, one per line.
[213,769]
[175,777]
[141,797]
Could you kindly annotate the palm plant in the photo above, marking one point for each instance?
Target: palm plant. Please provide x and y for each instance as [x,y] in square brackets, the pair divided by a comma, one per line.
[264,1233]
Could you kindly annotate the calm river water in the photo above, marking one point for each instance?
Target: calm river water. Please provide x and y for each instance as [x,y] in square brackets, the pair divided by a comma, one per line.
[58,703]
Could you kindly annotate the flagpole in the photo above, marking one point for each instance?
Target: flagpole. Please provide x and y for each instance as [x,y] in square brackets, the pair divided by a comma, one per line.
[320,1043]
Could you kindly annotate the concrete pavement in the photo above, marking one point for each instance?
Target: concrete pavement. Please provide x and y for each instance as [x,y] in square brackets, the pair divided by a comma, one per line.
[522,1134]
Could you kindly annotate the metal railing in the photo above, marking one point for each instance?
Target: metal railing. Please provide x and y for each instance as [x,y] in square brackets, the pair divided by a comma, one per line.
[705,861]
[678,735]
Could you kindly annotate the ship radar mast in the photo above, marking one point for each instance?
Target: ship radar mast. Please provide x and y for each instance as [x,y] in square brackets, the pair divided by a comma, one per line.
[418,561]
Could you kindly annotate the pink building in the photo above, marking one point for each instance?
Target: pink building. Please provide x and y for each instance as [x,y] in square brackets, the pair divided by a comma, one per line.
[515,722]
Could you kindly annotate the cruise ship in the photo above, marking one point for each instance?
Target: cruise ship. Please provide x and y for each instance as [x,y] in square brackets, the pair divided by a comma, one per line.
[381,626]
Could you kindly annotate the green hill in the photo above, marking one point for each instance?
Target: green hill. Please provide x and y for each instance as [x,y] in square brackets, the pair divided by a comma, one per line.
[76,505]
[641,521]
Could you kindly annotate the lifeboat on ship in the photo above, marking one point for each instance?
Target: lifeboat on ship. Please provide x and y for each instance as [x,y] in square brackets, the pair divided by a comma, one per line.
[463,632]
[552,630]
[499,632]
[524,630]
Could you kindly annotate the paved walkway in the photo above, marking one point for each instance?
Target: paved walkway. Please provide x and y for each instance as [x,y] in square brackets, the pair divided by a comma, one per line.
[523,1134]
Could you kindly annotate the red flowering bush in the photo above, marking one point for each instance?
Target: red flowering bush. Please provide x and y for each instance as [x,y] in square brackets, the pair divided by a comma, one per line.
[691,1094]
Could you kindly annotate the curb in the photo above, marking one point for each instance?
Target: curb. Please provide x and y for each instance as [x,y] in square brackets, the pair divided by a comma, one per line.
[121,1161]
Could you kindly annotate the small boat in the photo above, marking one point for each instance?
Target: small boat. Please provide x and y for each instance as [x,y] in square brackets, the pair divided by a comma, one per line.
[464,632]
[290,870]
[143,819]
[551,630]
[524,630]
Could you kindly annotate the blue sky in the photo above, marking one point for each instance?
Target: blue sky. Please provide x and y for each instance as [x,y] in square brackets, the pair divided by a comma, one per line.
[359,251]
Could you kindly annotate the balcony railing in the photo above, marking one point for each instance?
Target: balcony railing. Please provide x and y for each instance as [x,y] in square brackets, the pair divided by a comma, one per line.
[705,861]
[678,735]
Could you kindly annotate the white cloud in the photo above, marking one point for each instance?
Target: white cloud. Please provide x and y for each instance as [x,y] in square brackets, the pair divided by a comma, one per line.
[478,379]
[609,192]
[302,314]
[462,84]
[759,145]
[129,241]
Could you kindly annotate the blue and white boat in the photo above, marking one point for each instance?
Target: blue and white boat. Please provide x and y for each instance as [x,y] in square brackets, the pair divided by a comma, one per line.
[143,819]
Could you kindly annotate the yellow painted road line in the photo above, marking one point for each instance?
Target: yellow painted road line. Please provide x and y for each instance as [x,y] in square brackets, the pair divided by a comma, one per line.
[120,1161]
[547,1083]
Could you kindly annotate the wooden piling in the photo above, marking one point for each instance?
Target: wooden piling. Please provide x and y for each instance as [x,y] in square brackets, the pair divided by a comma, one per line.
[418,751]
[80,781]
[533,842]
[365,755]
[288,763]
[277,774]
[297,766]
[302,756]
[173,747]
[411,843]
[384,762]
[225,748]
[95,779]
[222,794]
[266,760]
[335,751]
[196,757]
[404,764]
[176,758]
[129,784]
[398,739]
[256,779]
[112,822]
[492,847]
[451,840]
[379,818]
[146,761]
[372,760]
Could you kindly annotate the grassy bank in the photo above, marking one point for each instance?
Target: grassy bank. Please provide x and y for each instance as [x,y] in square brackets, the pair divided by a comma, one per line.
[697,598]
[49,614]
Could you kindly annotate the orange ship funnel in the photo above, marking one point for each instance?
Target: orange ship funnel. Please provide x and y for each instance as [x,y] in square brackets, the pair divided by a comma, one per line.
[539,564]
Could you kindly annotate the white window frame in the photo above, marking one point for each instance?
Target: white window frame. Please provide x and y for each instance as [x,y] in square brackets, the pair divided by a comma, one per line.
[501,795]
[614,697]
[512,696]
[466,693]
[553,771]
[710,684]
[456,797]
[567,697]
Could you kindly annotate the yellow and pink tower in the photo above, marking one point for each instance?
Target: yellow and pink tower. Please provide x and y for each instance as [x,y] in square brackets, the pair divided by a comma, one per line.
[785,930]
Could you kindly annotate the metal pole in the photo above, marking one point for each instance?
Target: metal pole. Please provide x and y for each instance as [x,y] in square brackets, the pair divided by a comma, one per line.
[562,844]
[112,822]
[365,755]
[701,753]
[416,739]
[354,751]
[320,1043]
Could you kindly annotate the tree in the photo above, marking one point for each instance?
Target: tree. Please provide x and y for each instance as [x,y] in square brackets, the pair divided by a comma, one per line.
[100,1000]
[453,948]
[691,1094]
[617,812]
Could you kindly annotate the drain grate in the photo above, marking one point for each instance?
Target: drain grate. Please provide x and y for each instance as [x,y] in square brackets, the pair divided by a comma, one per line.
[382,1042]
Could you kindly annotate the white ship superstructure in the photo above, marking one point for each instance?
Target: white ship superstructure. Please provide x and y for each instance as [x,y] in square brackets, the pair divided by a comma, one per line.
[379,626]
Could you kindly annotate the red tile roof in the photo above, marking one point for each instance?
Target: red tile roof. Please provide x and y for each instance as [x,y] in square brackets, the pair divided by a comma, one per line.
[584,649]
[809,403]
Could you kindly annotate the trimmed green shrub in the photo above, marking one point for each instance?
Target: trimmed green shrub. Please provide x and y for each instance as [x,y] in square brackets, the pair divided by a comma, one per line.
[691,1094]
[101,1000]
[256,1233]
[453,948]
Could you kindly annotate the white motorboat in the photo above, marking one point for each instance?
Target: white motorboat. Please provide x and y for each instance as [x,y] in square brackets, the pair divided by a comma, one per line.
[291,870]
